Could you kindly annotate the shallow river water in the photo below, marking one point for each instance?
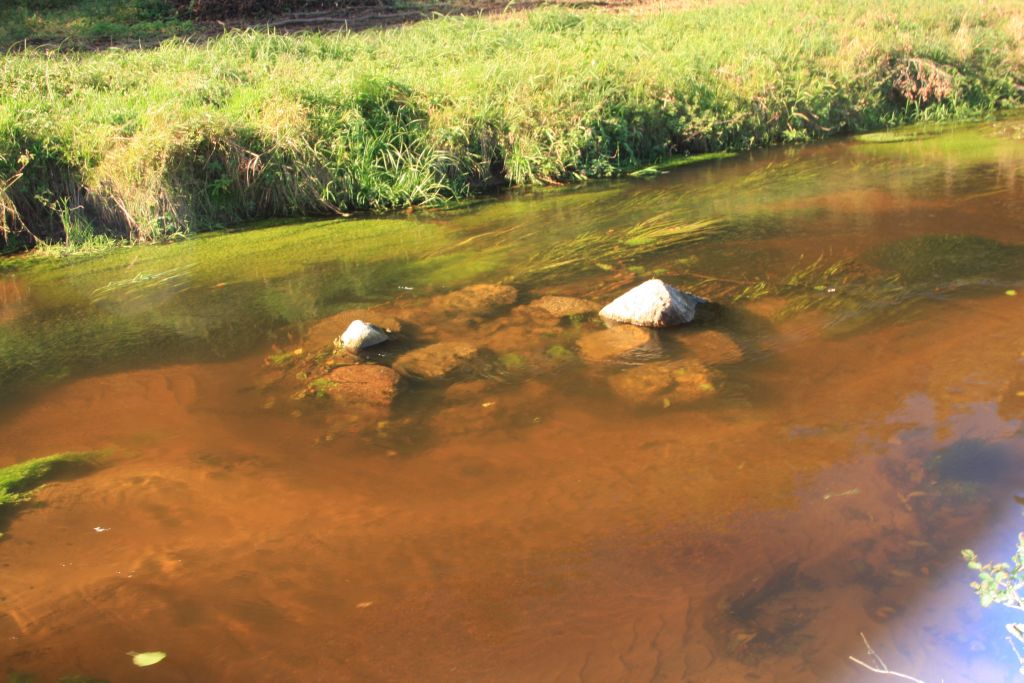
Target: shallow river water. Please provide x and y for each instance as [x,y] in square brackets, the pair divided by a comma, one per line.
[554,508]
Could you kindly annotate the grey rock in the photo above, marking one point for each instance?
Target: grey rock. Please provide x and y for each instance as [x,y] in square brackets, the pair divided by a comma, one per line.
[360,335]
[325,331]
[653,304]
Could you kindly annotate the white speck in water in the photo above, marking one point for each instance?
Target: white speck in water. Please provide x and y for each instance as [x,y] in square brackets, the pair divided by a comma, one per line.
[100,529]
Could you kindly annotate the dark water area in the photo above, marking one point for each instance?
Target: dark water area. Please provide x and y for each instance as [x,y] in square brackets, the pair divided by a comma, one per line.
[738,499]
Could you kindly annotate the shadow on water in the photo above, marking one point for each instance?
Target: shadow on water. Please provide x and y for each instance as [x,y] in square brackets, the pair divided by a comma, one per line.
[975,461]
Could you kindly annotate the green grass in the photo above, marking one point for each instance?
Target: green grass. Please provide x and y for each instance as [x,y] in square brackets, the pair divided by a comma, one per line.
[188,137]
[87,22]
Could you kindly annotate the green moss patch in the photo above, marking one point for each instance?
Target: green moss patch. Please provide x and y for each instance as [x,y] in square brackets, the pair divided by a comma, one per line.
[17,482]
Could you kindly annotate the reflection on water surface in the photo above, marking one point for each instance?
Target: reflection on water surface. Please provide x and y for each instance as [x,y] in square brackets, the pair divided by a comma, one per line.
[736,500]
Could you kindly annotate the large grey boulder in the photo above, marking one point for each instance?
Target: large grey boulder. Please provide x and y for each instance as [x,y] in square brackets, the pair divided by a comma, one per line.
[653,304]
[360,335]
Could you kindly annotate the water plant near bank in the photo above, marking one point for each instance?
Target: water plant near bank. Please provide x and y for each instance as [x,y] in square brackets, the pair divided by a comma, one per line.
[1000,583]
[146,144]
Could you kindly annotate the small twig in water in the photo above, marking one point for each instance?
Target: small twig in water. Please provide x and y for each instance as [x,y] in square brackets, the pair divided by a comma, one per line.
[880,667]
[1016,630]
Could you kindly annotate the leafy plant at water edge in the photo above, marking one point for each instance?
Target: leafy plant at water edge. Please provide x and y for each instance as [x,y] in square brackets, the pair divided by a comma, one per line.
[1001,584]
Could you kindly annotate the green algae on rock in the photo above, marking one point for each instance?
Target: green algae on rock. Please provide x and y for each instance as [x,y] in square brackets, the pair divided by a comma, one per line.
[18,481]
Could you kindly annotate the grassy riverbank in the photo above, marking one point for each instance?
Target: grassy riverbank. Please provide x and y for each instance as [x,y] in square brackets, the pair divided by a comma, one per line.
[185,137]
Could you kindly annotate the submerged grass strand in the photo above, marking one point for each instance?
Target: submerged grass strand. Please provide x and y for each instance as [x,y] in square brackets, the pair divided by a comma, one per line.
[592,250]
[186,137]
[888,279]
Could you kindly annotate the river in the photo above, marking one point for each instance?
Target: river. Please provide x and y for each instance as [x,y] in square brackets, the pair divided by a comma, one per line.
[540,513]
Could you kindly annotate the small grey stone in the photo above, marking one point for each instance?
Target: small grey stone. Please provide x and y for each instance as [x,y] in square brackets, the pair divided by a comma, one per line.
[360,335]
[653,304]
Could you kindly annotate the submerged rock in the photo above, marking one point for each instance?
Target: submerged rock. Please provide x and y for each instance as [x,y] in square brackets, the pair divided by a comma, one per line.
[565,306]
[360,335]
[653,304]
[479,299]
[769,307]
[369,385]
[513,407]
[613,342]
[642,384]
[678,382]
[693,381]
[524,328]
[437,361]
[713,347]
[462,392]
